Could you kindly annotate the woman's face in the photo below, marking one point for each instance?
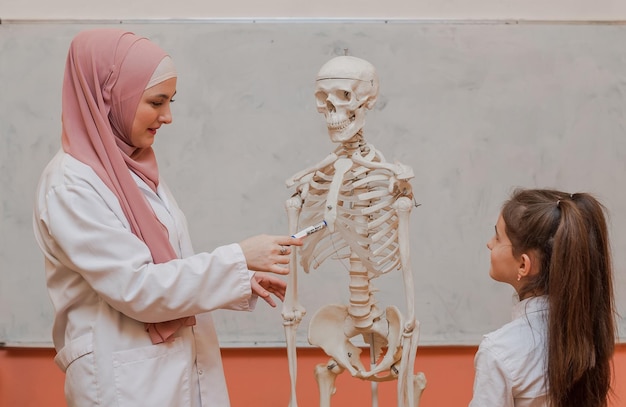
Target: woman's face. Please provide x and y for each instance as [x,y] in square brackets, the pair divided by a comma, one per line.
[504,266]
[153,111]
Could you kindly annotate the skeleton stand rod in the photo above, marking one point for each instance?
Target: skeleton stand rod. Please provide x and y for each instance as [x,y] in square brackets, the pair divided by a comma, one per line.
[372,366]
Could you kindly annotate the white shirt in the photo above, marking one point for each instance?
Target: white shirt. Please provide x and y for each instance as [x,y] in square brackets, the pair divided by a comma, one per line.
[510,362]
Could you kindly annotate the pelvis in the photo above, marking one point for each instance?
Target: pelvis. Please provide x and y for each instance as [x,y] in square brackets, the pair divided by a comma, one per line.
[332,327]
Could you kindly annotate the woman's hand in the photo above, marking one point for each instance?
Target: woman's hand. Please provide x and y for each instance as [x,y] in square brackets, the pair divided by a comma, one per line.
[268,253]
[264,284]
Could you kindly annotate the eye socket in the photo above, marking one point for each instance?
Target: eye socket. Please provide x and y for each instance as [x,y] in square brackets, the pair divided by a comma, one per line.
[321,97]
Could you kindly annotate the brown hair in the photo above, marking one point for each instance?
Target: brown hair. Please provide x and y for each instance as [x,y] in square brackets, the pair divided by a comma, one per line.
[567,234]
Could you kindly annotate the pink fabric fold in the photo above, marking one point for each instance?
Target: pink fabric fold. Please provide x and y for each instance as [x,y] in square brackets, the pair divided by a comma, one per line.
[106,73]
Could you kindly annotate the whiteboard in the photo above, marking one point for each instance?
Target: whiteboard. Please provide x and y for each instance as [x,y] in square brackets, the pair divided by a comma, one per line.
[475,109]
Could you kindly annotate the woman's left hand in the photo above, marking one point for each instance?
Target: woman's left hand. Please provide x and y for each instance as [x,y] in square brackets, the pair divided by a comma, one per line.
[264,284]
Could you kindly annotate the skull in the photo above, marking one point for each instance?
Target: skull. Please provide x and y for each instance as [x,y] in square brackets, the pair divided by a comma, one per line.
[345,88]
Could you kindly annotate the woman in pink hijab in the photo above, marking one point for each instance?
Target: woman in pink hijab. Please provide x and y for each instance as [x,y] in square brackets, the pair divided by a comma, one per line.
[132,300]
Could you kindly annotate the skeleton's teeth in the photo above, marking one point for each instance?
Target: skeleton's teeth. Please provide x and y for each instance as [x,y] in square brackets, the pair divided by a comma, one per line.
[342,124]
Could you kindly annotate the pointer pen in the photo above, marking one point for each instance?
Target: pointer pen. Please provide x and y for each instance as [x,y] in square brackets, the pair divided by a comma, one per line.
[310,230]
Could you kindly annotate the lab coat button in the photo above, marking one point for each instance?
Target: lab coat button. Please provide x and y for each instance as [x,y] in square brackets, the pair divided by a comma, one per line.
[200,372]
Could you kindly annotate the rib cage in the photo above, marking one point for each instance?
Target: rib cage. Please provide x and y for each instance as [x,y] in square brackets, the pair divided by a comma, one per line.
[366,222]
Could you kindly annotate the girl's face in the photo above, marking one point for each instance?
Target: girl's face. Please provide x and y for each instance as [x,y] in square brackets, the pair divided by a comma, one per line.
[153,111]
[504,266]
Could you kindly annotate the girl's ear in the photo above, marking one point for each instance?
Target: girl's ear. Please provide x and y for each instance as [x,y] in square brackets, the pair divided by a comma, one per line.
[526,267]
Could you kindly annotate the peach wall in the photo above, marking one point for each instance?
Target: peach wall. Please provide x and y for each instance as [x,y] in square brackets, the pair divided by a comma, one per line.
[259,377]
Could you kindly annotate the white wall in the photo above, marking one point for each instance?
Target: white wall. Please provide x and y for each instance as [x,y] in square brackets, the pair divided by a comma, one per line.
[552,10]
[474,109]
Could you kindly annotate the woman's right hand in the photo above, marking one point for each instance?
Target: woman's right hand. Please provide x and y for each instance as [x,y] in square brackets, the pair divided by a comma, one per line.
[269,253]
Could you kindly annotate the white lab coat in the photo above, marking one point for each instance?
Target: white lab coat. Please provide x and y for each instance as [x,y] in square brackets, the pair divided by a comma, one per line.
[104,286]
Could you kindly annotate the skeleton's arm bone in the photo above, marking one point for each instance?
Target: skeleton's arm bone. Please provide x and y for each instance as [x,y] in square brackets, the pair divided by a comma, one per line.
[404,205]
[292,311]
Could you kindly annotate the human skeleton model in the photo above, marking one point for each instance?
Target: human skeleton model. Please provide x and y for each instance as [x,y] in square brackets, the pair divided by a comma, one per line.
[365,203]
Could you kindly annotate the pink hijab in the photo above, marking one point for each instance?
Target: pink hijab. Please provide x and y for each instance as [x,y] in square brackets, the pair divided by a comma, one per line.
[106,72]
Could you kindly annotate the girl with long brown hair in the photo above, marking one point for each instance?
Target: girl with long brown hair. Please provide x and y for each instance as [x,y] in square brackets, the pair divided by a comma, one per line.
[553,248]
